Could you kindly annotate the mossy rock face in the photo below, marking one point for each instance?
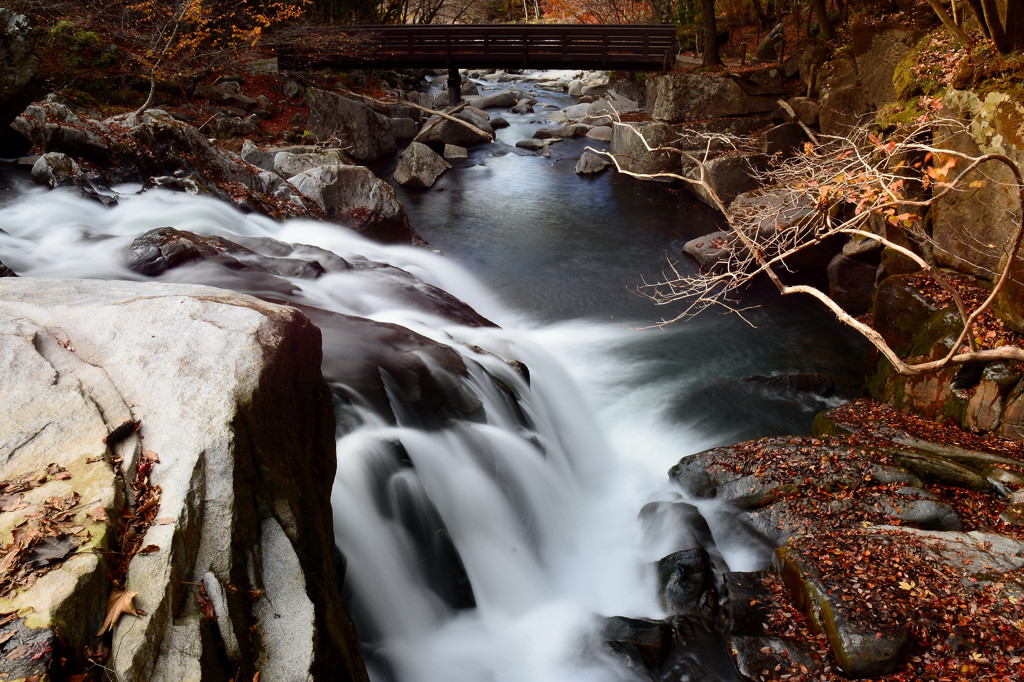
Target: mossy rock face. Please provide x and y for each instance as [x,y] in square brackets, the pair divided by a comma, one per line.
[972,229]
[900,312]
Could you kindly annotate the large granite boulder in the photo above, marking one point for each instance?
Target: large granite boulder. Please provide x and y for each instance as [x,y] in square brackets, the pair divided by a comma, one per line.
[680,97]
[18,65]
[234,434]
[353,195]
[365,134]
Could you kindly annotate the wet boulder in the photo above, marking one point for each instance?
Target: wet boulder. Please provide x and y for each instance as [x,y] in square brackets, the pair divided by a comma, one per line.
[355,196]
[686,583]
[165,248]
[439,131]
[420,166]
[54,169]
[630,142]
[54,126]
[591,163]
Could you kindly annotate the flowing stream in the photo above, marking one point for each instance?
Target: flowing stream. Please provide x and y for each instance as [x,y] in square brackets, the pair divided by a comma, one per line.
[487,548]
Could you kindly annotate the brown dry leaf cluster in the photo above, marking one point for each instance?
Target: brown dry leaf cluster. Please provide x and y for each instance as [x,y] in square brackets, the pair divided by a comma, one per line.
[45,537]
[135,522]
[989,331]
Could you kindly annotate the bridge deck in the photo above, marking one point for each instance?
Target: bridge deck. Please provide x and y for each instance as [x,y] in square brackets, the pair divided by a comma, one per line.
[547,46]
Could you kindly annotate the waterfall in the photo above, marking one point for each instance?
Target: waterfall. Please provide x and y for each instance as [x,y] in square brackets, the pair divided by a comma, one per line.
[482,546]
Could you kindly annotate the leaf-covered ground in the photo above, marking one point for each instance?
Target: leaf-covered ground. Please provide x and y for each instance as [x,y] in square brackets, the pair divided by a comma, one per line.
[961,614]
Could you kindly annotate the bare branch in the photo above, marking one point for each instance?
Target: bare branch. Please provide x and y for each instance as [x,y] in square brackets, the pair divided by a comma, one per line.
[834,189]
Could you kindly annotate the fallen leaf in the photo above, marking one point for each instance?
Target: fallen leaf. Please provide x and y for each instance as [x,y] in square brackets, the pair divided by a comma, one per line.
[52,550]
[6,636]
[149,549]
[98,514]
[151,456]
[165,520]
[119,601]
[63,476]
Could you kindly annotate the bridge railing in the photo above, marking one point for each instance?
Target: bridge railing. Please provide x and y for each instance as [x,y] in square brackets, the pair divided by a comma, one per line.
[620,47]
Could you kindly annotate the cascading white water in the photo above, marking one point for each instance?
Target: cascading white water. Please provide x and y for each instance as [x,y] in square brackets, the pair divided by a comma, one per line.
[539,498]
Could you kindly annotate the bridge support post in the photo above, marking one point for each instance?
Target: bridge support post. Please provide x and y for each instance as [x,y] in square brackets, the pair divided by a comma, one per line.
[454,86]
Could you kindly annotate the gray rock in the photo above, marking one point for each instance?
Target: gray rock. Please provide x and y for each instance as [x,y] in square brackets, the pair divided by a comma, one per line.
[17,54]
[405,128]
[164,248]
[503,99]
[728,175]
[590,163]
[55,169]
[218,421]
[364,134]
[533,144]
[439,131]
[234,126]
[678,97]
[600,133]
[264,158]
[227,96]
[786,139]
[575,113]
[686,582]
[288,164]
[420,166]
[54,127]
[353,195]
[806,109]
[288,634]
[627,145]
[851,283]
[453,152]
[755,654]
[709,251]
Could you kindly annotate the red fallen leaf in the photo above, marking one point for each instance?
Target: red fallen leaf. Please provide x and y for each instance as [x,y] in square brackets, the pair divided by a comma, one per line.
[149,549]
[63,476]
[151,456]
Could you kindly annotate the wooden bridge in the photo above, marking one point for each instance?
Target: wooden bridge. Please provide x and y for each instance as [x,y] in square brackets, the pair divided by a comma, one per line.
[629,47]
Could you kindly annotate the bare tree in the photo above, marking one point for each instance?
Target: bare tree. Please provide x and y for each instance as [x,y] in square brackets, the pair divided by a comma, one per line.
[834,188]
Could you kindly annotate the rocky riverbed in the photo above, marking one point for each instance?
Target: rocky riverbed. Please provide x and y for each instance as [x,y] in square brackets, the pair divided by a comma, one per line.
[896,542]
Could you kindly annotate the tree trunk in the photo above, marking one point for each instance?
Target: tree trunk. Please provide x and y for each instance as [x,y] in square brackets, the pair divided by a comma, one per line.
[950,25]
[1015,25]
[979,14]
[762,17]
[991,19]
[711,56]
[824,24]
